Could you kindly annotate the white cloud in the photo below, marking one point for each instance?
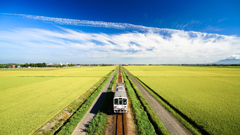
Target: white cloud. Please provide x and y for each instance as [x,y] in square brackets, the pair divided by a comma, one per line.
[234,57]
[178,45]
[157,45]
[65,21]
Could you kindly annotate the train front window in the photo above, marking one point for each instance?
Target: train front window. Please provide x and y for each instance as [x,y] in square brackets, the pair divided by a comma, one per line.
[116,101]
[124,101]
[120,101]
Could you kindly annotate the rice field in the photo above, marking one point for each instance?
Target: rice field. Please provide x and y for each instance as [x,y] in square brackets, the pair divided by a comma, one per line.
[210,96]
[30,97]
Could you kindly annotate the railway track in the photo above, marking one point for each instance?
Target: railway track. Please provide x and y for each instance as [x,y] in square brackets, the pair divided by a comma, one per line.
[120,77]
[120,121]
[120,128]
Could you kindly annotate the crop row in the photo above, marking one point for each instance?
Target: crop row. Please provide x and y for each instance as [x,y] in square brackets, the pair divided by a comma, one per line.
[71,123]
[99,122]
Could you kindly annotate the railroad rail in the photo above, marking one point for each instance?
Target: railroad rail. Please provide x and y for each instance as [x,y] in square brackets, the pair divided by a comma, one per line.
[120,77]
[120,128]
[120,121]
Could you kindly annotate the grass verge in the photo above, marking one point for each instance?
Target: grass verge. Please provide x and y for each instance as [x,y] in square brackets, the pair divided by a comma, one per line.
[99,122]
[170,109]
[143,125]
[71,123]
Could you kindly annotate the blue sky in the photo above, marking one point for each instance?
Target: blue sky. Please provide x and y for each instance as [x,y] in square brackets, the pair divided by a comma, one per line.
[156,31]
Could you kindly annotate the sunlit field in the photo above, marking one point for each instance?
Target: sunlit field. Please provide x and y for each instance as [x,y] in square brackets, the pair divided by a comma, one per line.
[30,97]
[210,96]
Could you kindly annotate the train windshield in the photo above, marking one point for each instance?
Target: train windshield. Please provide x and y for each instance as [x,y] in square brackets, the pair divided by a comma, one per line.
[124,101]
[116,101]
[120,101]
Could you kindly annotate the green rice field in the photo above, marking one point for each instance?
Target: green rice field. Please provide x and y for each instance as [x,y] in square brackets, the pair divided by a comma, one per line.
[210,96]
[30,97]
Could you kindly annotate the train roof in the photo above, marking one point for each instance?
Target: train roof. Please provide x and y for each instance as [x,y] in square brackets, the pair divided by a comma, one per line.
[120,84]
[120,90]
[120,94]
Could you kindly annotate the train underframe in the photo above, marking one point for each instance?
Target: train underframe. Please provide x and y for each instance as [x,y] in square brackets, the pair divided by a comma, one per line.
[116,110]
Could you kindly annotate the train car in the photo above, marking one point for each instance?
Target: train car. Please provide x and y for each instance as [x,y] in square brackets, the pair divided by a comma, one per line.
[120,99]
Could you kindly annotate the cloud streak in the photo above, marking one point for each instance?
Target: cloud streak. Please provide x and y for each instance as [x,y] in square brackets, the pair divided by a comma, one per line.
[181,46]
[65,21]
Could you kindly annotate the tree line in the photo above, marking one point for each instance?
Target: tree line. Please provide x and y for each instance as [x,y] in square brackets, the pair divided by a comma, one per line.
[44,65]
[34,65]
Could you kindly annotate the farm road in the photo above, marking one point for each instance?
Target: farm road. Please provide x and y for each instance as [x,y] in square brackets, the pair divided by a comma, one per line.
[82,126]
[170,122]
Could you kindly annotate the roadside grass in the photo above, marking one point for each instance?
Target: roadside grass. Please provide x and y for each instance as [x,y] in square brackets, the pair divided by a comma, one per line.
[99,122]
[205,97]
[142,123]
[71,123]
[158,125]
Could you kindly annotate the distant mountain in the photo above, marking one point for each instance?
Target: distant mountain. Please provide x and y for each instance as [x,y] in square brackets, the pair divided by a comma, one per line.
[233,59]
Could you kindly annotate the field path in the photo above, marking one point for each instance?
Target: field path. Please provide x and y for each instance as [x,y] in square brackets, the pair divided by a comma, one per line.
[170,122]
[82,126]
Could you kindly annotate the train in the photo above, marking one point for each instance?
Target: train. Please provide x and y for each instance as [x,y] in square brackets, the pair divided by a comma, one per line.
[120,101]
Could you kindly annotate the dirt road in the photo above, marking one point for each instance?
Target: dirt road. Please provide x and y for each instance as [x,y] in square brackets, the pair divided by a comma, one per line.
[170,122]
[82,126]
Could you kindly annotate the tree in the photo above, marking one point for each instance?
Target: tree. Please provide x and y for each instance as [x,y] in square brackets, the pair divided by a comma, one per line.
[40,65]
[26,64]
[32,64]
[44,64]
[70,65]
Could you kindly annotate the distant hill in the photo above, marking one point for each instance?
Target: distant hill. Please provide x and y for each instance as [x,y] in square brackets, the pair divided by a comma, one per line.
[233,59]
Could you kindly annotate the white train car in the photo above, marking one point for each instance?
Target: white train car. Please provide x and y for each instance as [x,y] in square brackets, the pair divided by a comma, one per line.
[120,99]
